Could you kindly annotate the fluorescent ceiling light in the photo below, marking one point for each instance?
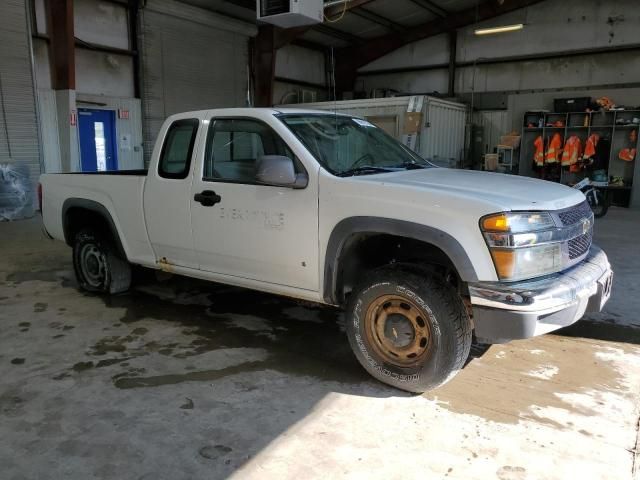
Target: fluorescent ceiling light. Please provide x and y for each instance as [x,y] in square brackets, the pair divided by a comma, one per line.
[503,29]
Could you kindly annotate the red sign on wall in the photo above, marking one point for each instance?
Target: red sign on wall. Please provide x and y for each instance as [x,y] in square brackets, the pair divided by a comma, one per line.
[123,114]
[73,118]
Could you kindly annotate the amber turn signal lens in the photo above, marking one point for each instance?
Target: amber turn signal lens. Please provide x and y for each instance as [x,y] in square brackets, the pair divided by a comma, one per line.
[505,261]
[496,223]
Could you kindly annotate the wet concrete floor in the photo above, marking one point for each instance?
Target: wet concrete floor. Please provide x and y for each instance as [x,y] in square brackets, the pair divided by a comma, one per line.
[185,379]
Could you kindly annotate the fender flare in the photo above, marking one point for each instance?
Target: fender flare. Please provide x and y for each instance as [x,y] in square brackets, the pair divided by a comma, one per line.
[354,225]
[92,206]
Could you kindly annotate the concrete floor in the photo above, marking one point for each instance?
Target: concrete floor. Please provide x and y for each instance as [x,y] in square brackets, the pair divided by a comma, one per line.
[182,379]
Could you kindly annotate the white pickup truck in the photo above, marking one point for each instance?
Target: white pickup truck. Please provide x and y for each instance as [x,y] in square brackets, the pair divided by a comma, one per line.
[329,209]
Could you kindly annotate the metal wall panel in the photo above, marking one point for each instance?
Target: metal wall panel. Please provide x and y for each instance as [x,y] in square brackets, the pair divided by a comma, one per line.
[443,136]
[494,123]
[192,59]
[19,143]
[48,114]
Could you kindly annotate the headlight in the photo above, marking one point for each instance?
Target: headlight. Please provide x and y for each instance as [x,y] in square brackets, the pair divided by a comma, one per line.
[526,244]
[521,263]
[517,222]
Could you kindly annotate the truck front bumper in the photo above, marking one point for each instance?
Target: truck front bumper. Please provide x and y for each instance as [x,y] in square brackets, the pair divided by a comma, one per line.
[509,311]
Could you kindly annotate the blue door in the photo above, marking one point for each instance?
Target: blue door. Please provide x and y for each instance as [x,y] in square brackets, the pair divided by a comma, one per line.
[97,140]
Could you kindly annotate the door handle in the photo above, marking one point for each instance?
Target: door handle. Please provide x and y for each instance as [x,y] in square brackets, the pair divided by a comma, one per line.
[207,198]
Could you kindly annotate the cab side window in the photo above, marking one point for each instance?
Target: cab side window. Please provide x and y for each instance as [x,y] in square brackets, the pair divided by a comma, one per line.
[175,158]
[234,146]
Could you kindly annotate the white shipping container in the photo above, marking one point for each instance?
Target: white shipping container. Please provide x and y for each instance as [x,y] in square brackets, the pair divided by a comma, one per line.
[441,136]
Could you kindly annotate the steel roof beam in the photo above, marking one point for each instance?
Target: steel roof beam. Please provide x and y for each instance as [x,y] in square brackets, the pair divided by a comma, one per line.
[432,7]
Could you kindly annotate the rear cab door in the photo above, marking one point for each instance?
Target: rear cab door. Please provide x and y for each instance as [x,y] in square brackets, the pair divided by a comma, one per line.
[167,193]
[256,232]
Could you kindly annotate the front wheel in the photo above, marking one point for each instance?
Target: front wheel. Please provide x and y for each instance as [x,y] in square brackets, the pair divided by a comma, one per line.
[407,329]
[97,265]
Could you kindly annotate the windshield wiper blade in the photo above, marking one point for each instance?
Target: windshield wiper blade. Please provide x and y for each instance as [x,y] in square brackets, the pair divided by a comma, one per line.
[364,169]
[411,166]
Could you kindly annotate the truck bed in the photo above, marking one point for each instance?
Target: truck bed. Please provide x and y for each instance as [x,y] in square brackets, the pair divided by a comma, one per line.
[121,193]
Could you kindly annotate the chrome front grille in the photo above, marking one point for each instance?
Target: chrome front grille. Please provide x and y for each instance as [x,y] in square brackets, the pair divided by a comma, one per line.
[573,215]
[580,245]
[580,220]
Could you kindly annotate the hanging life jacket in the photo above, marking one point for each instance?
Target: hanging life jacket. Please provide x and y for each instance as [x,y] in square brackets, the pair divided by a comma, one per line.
[590,146]
[538,156]
[627,154]
[554,150]
[572,151]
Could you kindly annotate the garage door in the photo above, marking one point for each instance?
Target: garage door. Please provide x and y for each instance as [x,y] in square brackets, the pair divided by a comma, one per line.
[192,59]
[19,146]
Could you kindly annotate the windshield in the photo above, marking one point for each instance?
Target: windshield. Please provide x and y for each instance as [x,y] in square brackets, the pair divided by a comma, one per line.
[351,146]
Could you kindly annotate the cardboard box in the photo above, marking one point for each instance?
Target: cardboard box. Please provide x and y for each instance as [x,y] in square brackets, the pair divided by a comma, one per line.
[412,123]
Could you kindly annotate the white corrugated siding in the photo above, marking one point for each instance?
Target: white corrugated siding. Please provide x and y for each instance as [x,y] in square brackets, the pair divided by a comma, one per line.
[18,126]
[192,59]
[443,137]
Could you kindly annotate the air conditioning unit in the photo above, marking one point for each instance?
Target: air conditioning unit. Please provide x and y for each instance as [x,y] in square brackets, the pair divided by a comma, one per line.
[290,13]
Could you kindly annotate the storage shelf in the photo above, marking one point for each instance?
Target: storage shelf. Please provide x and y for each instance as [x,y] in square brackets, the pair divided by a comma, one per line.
[575,126]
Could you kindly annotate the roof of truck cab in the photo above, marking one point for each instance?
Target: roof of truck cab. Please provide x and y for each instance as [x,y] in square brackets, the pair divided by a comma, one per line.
[248,110]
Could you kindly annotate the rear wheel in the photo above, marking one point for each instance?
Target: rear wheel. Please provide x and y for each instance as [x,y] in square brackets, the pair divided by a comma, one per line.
[97,265]
[407,329]
[597,202]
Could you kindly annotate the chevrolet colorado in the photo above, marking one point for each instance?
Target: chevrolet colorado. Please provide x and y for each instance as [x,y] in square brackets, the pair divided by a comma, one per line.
[329,209]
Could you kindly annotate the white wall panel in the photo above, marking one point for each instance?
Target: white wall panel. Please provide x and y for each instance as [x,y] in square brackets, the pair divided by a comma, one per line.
[101,22]
[48,118]
[41,63]
[103,73]
[430,51]
[41,16]
[555,26]
[298,63]
[551,27]
[192,60]
[567,72]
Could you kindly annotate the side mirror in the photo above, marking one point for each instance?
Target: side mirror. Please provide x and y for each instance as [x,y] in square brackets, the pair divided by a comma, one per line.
[279,170]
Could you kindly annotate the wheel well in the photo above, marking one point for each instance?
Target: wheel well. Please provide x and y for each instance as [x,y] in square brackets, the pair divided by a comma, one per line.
[78,218]
[363,252]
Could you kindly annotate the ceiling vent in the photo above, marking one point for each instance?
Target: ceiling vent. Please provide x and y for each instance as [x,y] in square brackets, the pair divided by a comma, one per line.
[291,13]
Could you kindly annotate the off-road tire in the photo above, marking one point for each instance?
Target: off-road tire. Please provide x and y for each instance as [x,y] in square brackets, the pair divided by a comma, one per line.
[113,274]
[436,302]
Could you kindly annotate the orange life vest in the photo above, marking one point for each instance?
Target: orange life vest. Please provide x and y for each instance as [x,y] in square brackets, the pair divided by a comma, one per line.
[627,154]
[538,156]
[590,146]
[554,150]
[572,151]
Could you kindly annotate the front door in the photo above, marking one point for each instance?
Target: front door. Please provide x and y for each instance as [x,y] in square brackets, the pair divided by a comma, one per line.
[253,231]
[97,140]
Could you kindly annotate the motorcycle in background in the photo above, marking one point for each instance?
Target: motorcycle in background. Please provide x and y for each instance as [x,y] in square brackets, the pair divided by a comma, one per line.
[596,199]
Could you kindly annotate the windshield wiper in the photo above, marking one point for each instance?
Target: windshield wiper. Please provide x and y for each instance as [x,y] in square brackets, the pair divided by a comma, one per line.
[411,166]
[364,169]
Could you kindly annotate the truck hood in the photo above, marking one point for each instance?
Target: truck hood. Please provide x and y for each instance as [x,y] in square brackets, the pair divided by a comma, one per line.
[505,192]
